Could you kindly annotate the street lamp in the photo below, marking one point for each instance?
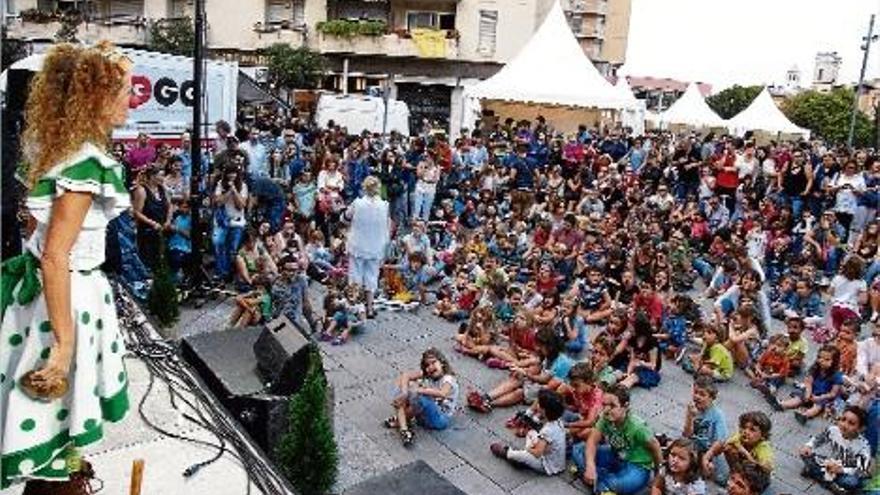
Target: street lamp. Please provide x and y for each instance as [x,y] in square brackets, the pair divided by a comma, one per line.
[866,47]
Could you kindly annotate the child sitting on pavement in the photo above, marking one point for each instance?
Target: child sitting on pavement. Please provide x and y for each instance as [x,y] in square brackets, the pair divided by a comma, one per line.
[750,445]
[544,450]
[839,456]
[705,424]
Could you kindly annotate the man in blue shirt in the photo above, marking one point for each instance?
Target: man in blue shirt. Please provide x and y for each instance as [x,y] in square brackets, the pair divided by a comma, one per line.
[522,176]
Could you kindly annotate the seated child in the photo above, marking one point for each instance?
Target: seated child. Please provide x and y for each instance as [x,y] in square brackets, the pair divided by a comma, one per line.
[520,349]
[714,359]
[822,387]
[573,327]
[429,395]
[585,403]
[349,315]
[846,344]
[771,369]
[750,445]
[797,344]
[645,360]
[705,424]
[544,450]
[748,479]
[461,300]
[477,333]
[625,463]
[253,306]
[672,336]
[523,384]
[839,457]
[681,472]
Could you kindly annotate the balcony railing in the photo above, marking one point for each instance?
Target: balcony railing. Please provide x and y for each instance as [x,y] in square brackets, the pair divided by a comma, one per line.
[41,25]
[586,6]
[391,45]
[121,34]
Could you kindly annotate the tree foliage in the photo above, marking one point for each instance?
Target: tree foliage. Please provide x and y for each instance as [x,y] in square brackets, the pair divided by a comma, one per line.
[174,36]
[162,299]
[733,100]
[828,115]
[308,451]
[293,68]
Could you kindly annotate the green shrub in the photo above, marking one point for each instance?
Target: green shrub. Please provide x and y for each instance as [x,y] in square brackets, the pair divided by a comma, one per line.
[307,452]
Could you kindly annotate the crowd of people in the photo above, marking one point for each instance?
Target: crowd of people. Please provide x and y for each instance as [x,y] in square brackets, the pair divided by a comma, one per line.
[578,265]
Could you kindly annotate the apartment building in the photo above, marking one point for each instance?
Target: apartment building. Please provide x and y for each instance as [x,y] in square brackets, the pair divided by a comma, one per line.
[602,29]
[424,52]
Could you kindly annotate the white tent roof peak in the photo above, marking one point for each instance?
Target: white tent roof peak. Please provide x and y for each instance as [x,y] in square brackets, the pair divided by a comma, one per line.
[551,69]
[763,114]
[691,109]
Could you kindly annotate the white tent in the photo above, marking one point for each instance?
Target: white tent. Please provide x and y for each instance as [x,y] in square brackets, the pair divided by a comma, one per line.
[632,116]
[551,69]
[763,115]
[691,109]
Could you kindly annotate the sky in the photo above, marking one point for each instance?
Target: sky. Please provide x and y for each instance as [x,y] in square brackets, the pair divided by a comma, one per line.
[726,42]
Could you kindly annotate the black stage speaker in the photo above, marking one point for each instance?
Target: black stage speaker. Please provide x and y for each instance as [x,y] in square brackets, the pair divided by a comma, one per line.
[226,364]
[282,356]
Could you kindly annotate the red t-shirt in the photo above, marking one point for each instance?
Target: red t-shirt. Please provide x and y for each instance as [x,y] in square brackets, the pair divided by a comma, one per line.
[724,178]
[523,338]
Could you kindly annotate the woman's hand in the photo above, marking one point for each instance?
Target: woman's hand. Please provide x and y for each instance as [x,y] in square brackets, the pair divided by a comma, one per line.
[51,381]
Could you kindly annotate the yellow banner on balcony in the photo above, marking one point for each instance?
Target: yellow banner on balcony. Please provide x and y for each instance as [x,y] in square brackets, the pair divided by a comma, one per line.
[430,43]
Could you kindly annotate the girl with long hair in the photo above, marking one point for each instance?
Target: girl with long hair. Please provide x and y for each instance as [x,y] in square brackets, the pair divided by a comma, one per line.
[64,353]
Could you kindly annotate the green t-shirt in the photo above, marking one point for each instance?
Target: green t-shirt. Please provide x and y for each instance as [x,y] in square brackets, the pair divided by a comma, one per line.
[762,452]
[721,358]
[629,440]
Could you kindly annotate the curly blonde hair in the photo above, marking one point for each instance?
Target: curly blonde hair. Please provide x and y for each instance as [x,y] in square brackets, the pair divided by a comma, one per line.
[71,102]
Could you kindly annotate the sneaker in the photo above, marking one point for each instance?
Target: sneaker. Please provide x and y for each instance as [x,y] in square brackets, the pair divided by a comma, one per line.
[681,354]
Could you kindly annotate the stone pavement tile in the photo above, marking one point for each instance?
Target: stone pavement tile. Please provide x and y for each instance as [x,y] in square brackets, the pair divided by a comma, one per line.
[472,444]
[548,485]
[471,481]
[360,457]
[365,365]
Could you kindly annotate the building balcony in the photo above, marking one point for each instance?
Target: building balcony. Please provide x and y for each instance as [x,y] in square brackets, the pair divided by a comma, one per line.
[266,35]
[132,32]
[590,32]
[389,45]
[598,7]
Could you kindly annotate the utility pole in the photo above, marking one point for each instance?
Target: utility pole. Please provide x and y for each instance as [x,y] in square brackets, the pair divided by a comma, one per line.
[866,47]
[196,230]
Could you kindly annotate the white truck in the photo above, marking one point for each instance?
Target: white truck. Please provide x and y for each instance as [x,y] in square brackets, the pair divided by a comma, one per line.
[162,99]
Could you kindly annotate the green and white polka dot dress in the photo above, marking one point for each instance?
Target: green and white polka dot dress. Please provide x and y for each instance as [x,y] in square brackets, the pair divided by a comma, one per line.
[34,434]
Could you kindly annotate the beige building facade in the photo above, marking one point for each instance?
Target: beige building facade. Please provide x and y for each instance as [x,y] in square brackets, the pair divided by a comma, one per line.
[466,40]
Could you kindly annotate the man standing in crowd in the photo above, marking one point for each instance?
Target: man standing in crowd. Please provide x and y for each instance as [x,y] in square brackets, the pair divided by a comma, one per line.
[368,239]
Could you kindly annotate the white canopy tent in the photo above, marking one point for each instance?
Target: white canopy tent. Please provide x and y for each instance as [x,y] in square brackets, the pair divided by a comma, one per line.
[634,115]
[551,69]
[692,110]
[763,115]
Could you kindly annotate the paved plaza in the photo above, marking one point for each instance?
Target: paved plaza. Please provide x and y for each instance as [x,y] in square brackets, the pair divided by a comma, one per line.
[363,369]
[361,372]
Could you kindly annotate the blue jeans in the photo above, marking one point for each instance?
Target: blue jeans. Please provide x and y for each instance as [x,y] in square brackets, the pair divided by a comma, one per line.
[429,414]
[797,205]
[832,262]
[872,272]
[226,241]
[399,211]
[422,204]
[612,473]
[848,482]
[872,430]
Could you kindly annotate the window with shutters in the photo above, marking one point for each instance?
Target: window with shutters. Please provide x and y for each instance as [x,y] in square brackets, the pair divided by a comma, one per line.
[125,9]
[178,8]
[286,11]
[487,32]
